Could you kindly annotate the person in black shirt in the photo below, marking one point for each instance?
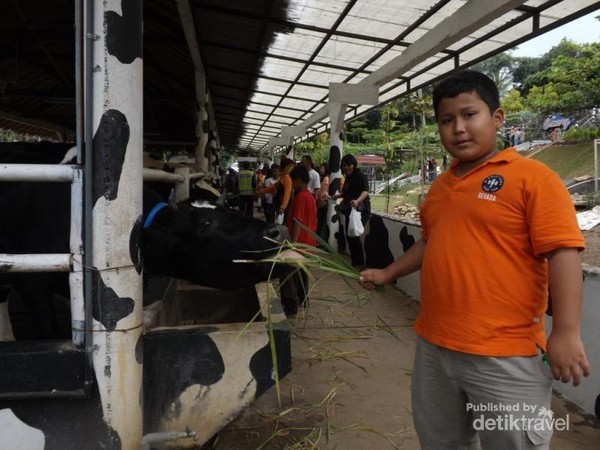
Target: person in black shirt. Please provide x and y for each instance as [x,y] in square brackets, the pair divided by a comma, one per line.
[355,193]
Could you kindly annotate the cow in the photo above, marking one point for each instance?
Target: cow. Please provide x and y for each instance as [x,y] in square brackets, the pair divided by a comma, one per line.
[195,241]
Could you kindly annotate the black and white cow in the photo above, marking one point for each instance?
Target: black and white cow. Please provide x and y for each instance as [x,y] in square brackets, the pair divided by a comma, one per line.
[198,242]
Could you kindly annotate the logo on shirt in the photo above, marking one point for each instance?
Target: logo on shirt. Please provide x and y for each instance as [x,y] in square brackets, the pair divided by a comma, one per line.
[493,183]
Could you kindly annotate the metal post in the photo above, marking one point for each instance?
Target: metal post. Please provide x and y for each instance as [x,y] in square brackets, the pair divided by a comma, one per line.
[596,173]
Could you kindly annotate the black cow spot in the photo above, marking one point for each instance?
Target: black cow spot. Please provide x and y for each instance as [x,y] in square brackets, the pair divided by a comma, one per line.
[407,240]
[335,158]
[124,33]
[377,249]
[205,126]
[334,186]
[110,144]
[326,232]
[173,361]
[261,363]
[108,308]
[135,244]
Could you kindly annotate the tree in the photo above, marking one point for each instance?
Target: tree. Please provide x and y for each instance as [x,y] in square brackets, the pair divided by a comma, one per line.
[523,68]
[571,82]
[543,99]
[498,68]
[512,102]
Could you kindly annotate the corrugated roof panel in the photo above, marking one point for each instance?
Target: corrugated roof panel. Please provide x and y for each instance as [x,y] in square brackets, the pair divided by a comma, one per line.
[316,12]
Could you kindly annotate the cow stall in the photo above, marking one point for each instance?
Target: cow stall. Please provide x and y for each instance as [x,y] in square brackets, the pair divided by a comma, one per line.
[108,379]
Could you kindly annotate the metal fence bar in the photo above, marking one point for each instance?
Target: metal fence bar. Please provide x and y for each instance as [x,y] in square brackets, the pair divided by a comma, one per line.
[76,287]
[35,262]
[36,172]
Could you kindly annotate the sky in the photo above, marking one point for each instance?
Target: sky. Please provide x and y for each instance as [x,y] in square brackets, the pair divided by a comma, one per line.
[583,30]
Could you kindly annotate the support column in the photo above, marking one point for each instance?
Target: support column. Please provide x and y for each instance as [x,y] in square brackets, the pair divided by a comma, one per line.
[116,151]
[337,112]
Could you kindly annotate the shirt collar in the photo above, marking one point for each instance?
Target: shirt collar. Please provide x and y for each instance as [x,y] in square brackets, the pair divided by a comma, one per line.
[507,155]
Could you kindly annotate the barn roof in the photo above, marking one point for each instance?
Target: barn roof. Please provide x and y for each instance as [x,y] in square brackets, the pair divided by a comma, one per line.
[268,63]
[370,160]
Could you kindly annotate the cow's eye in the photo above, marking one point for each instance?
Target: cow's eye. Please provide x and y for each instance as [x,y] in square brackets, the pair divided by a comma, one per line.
[205,223]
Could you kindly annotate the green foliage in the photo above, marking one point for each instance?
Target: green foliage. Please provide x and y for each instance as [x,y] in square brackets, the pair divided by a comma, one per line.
[512,102]
[592,199]
[13,136]
[570,82]
[584,134]
[543,98]
[498,68]
[523,68]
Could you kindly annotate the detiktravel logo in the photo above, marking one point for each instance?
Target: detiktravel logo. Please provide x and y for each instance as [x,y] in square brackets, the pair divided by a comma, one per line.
[517,416]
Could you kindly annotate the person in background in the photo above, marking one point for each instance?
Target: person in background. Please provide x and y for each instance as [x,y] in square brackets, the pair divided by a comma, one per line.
[230,187]
[260,183]
[246,188]
[488,258]
[303,210]
[269,205]
[355,194]
[322,200]
[314,185]
[282,190]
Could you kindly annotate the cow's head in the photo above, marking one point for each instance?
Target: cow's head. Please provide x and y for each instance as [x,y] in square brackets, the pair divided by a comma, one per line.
[201,242]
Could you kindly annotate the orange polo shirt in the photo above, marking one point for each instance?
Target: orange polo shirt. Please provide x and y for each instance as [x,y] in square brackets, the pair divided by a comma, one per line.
[484,279]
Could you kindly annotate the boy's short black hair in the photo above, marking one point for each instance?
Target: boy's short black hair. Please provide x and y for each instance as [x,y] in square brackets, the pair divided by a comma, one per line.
[467,81]
[300,173]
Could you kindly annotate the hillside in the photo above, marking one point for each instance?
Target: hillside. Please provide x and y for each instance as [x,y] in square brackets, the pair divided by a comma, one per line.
[569,160]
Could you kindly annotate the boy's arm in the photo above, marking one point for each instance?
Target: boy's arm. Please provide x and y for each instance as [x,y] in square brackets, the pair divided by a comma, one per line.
[565,350]
[408,263]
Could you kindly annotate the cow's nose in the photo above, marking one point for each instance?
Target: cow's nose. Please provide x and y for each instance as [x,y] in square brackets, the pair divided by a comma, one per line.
[276,232]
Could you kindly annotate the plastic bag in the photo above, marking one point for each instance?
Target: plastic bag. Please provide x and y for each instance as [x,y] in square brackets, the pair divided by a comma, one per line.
[355,226]
[279,219]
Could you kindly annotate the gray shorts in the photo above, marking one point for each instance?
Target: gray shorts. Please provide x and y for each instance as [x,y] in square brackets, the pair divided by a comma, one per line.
[460,400]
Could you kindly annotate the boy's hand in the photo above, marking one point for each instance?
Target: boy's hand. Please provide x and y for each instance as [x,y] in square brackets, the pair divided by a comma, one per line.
[567,357]
[371,278]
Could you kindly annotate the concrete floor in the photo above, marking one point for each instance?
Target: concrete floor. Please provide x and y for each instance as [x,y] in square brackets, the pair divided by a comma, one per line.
[352,354]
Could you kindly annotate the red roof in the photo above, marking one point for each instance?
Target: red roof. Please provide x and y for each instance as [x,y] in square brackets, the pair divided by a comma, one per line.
[370,160]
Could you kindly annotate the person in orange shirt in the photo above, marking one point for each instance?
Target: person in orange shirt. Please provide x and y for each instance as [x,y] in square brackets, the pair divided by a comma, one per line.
[498,233]
[282,190]
[303,210]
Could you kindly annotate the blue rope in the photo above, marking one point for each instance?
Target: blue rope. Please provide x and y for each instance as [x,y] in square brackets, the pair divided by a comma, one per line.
[153,214]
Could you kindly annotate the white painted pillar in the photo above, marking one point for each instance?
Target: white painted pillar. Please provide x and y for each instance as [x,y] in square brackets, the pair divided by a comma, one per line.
[336,144]
[117,120]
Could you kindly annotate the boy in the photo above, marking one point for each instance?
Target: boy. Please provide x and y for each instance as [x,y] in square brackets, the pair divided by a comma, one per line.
[303,210]
[498,232]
